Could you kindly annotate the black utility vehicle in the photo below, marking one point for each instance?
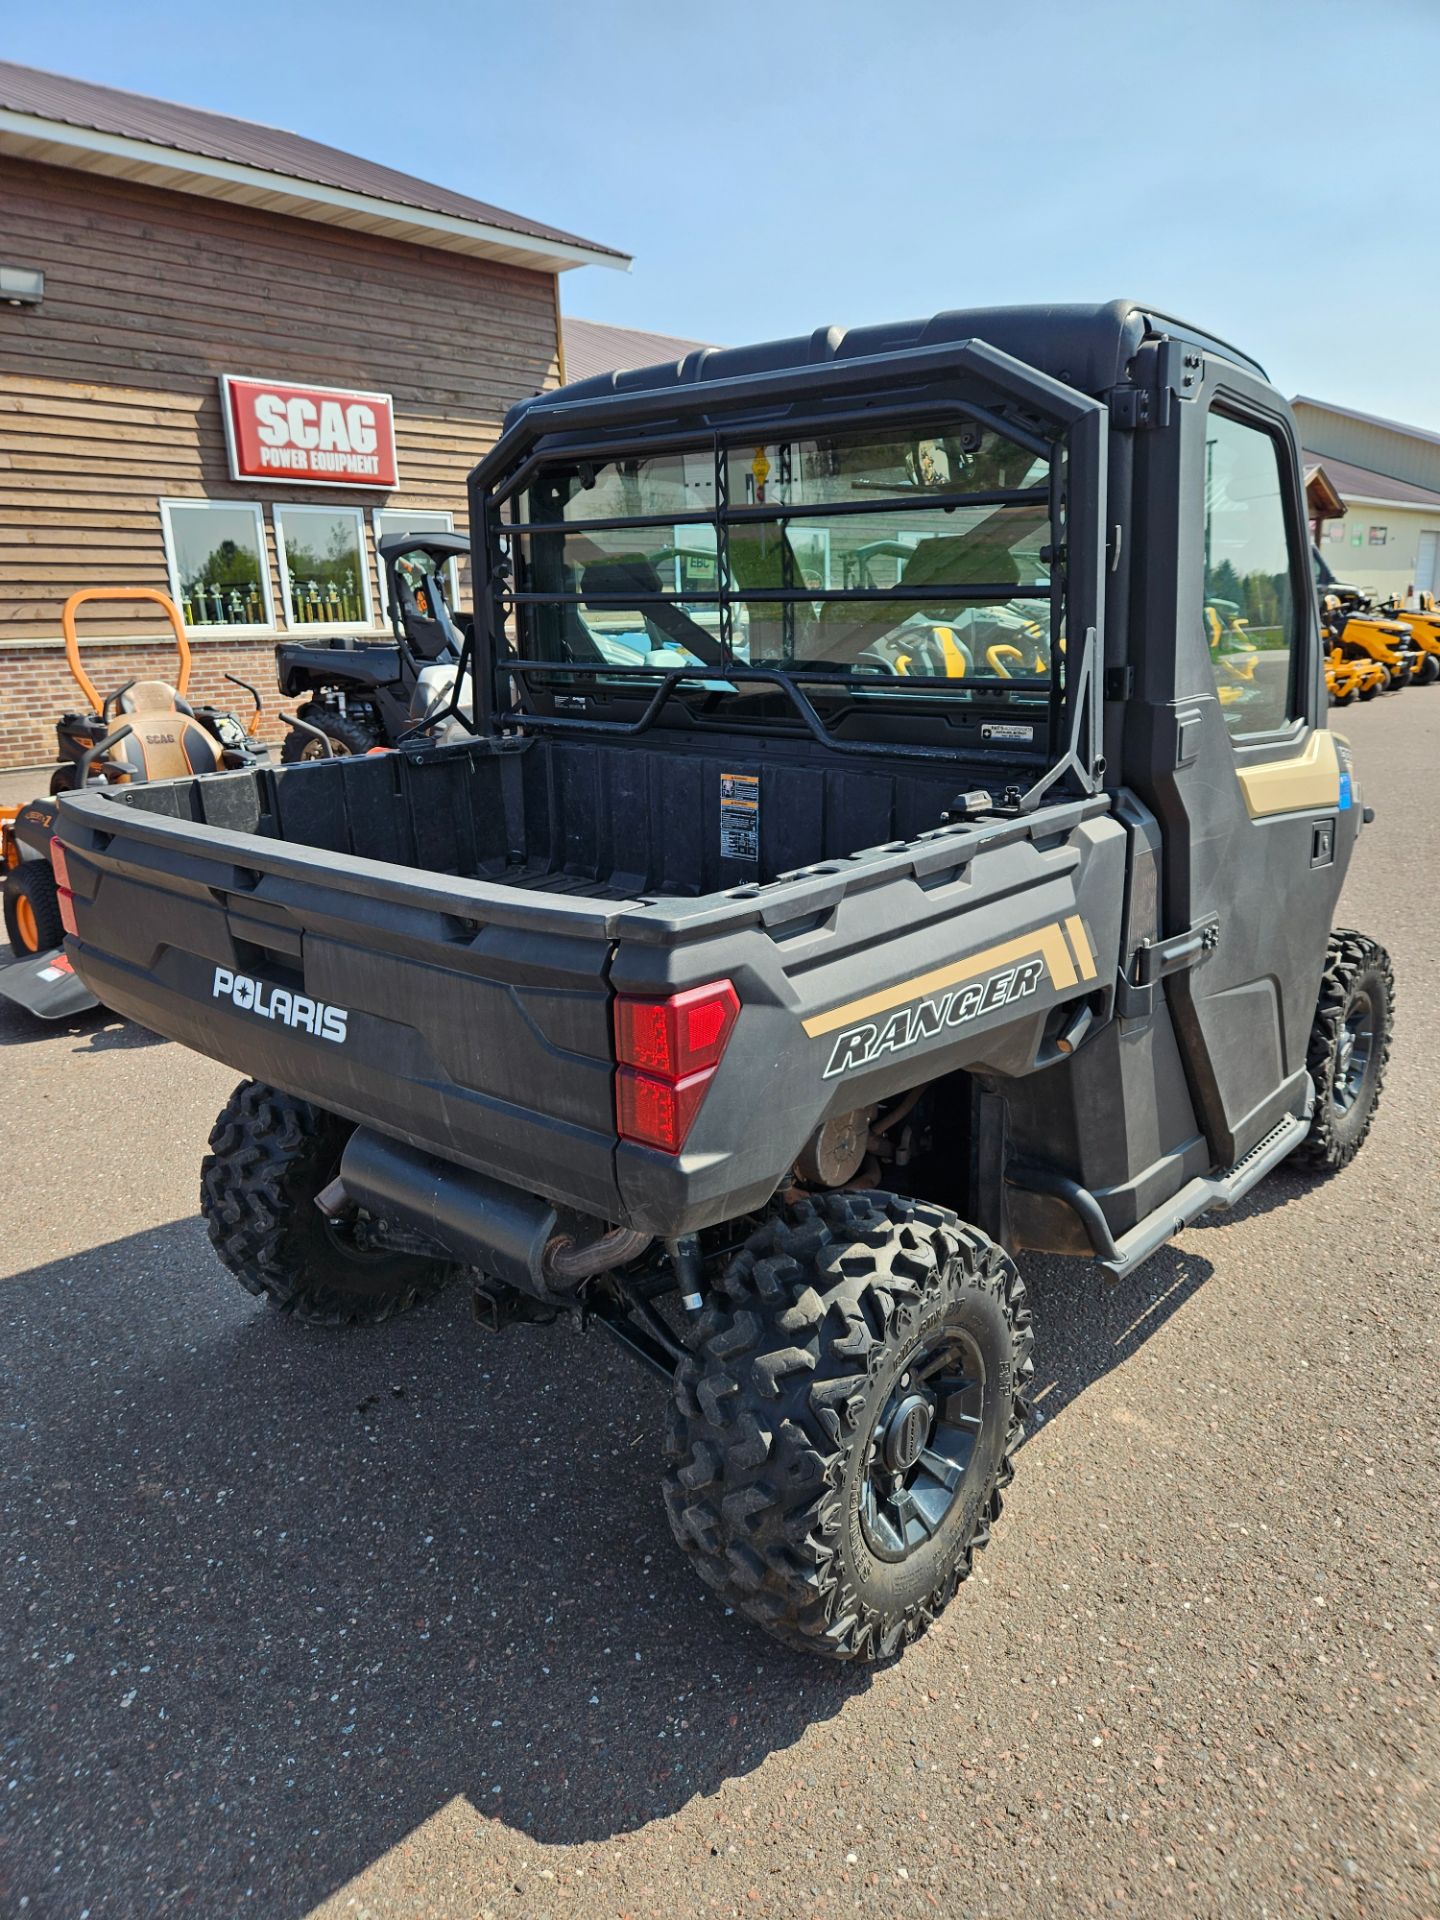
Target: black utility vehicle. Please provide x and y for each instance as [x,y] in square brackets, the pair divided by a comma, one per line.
[361,694]
[911,899]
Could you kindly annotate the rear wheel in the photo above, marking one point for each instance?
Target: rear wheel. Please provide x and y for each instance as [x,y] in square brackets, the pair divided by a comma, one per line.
[270,1154]
[346,732]
[1349,1046]
[32,908]
[837,1446]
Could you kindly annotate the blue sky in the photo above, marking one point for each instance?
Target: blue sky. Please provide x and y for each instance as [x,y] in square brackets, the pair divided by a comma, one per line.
[1268,169]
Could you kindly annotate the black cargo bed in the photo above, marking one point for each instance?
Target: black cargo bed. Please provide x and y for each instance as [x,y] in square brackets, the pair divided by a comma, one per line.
[604,821]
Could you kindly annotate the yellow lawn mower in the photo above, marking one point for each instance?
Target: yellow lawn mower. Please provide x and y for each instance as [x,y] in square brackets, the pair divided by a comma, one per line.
[1353,676]
[1423,626]
[1369,635]
[1233,654]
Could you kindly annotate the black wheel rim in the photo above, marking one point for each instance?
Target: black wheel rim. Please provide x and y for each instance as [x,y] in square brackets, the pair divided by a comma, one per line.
[1354,1051]
[922,1445]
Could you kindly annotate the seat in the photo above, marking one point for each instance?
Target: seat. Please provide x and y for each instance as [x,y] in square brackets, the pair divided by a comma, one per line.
[165,740]
[665,623]
[847,628]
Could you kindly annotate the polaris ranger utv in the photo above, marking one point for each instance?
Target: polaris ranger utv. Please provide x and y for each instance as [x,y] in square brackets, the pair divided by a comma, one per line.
[912,900]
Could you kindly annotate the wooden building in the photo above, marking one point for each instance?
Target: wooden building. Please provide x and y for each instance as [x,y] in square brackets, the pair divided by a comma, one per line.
[148,254]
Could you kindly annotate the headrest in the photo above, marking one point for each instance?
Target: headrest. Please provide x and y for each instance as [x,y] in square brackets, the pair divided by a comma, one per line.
[628,573]
[152,696]
[962,560]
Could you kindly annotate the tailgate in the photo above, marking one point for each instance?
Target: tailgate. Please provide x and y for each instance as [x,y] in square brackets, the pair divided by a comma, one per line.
[464,1017]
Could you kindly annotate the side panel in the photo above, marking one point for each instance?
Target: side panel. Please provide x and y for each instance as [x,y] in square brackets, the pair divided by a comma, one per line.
[975,964]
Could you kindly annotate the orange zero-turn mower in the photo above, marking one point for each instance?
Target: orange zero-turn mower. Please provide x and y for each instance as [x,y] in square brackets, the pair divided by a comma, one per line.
[145,730]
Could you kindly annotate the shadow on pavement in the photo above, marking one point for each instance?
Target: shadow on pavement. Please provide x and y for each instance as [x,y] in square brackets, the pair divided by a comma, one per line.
[287,1594]
[1086,1325]
[97,1030]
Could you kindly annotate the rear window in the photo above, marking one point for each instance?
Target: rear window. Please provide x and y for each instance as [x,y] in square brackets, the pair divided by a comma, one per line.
[890,559]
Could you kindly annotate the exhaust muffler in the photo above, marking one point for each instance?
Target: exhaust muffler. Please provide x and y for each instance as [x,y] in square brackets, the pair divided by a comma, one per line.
[476,1221]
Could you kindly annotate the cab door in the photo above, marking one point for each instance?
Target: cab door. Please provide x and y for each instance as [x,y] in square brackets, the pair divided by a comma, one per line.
[1257,820]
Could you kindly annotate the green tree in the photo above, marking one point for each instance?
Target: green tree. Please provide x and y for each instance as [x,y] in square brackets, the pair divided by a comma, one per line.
[227,565]
[338,565]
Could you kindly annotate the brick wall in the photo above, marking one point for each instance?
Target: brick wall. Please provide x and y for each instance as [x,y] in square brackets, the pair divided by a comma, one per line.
[36,687]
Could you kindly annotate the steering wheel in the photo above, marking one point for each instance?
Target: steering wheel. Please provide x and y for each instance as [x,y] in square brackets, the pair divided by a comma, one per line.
[889,655]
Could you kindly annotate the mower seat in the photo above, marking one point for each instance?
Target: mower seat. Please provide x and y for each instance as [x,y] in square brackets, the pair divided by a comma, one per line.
[165,739]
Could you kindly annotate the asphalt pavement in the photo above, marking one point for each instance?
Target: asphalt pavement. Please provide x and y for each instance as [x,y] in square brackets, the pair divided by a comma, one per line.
[389,1625]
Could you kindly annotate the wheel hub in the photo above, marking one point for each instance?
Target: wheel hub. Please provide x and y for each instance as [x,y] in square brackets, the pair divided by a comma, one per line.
[1354,1046]
[922,1445]
[907,1432]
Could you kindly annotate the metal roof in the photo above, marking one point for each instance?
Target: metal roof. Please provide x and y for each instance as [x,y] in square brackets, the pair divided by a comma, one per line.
[1363,483]
[592,348]
[65,122]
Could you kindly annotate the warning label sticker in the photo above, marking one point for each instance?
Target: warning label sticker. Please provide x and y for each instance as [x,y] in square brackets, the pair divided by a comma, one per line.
[1006,730]
[740,816]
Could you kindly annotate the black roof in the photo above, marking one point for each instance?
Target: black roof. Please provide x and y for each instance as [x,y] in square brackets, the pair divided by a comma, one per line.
[1086,347]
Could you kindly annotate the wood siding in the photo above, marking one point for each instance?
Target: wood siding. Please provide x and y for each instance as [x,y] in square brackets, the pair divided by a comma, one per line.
[109,395]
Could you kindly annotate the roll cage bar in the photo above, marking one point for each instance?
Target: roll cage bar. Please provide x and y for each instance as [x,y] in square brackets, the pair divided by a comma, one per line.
[967,381]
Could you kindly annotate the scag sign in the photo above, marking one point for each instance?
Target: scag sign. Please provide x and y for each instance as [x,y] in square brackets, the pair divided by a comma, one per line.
[321,436]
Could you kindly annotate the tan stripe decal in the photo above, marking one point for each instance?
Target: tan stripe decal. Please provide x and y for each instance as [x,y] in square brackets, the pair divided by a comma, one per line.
[1075,927]
[1049,943]
[1307,779]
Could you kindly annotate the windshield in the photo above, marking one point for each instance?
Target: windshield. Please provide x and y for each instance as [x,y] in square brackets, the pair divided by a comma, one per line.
[875,555]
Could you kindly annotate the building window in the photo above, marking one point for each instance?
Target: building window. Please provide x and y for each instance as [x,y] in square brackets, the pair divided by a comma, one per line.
[1377,536]
[388,520]
[323,569]
[215,554]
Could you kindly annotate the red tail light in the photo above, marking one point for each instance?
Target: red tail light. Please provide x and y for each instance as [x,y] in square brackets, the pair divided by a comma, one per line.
[668,1051]
[62,888]
[681,1035]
